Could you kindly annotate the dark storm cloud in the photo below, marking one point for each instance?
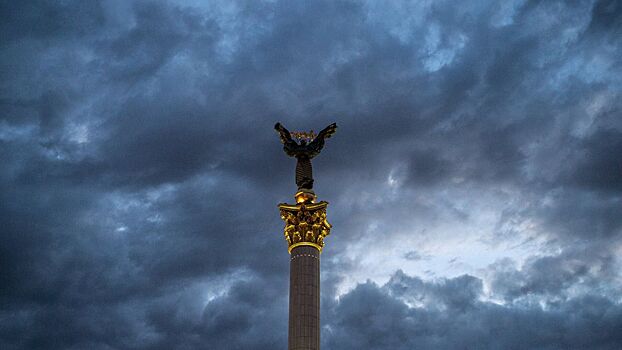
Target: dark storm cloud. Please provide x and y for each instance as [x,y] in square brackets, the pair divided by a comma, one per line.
[374,317]
[457,293]
[138,157]
[597,166]
[45,20]
[554,277]
[606,17]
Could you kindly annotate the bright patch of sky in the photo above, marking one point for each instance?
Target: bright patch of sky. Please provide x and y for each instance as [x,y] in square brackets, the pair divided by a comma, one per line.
[506,10]
[437,55]
[448,249]
[9,132]
[403,20]
[218,286]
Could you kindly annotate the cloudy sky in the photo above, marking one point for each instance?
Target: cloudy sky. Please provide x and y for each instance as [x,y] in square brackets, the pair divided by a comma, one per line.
[475,180]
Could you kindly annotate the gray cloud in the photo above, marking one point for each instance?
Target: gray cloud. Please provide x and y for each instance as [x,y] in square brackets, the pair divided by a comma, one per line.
[140,171]
[374,317]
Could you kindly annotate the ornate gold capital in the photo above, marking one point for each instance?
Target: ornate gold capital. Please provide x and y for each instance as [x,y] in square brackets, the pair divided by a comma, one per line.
[305,224]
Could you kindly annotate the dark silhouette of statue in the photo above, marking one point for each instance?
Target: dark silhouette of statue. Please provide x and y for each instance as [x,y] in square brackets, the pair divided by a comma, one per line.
[304,152]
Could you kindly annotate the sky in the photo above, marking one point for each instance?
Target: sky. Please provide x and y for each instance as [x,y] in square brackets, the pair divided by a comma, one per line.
[474,182]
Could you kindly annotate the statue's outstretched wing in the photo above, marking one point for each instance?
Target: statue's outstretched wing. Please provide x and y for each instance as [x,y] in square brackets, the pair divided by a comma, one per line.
[327,131]
[289,145]
[318,143]
[283,133]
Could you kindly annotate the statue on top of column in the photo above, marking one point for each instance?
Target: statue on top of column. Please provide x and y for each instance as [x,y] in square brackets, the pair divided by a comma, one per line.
[309,146]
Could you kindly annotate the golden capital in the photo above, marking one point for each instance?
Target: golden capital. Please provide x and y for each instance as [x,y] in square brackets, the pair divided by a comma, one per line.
[305,224]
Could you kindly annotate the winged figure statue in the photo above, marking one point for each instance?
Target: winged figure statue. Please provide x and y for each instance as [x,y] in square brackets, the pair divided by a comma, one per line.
[304,152]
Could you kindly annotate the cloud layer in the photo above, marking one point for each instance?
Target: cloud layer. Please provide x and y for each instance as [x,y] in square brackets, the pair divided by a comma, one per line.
[475,181]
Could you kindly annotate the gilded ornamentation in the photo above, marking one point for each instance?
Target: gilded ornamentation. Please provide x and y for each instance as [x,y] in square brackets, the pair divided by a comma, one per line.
[305,224]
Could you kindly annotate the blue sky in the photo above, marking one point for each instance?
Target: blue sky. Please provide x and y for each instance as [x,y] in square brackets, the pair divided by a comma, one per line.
[475,180]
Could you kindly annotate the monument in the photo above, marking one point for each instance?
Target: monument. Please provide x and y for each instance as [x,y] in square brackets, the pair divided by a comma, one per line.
[305,229]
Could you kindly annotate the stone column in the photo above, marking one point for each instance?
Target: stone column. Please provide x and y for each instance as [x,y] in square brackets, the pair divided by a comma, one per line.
[305,229]
[304,299]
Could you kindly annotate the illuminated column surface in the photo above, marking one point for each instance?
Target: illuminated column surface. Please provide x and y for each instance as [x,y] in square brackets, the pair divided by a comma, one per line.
[305,229]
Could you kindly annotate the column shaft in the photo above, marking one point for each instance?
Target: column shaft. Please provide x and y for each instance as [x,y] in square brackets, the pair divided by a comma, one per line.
[304,299]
